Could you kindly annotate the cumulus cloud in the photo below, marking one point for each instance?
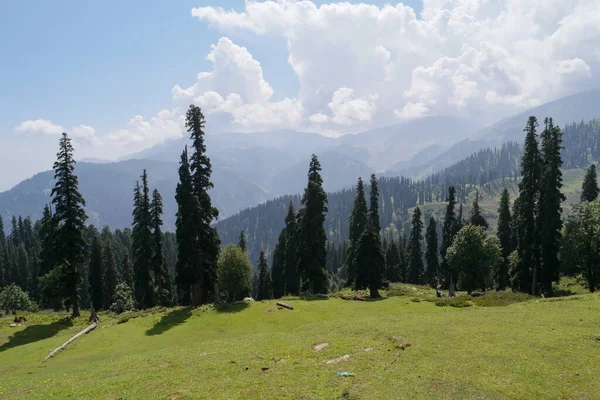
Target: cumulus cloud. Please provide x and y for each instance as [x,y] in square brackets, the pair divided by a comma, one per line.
[457,57]
[39,126]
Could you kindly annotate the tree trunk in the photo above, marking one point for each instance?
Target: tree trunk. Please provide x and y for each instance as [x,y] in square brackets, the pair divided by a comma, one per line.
[534,281]
[83,332]
[374,293]
[217,293]
[75,304]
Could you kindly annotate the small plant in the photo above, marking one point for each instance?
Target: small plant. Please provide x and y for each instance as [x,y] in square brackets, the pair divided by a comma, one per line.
[458,302]
[501,298]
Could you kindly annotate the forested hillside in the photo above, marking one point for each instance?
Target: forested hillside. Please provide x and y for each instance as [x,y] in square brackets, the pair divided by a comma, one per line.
[488,170]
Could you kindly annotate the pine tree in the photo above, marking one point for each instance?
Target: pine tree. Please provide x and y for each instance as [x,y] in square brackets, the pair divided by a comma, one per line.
[416,267]
[449,229]
[374,205]
[277,267]
[550,211]
[358,222]
[264,278]
[291,276]
[159,266]
[392,262]
[431,254]
[369,261]
[205,235]
[127,272]
[141,244]
[504,233]
[110,276]
[188,262]
[23,275]
[404,259]
[96,278]
[589,189]
[477,219]
[68,203]
[527,241]
[242,241]
[312,239]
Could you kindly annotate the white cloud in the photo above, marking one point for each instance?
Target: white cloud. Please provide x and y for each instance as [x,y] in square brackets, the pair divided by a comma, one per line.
[39,126]
[469,57]
[348,109]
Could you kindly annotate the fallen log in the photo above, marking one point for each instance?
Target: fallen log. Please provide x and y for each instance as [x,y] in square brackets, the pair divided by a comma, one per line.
[359,298]
[83,332]
[285,305]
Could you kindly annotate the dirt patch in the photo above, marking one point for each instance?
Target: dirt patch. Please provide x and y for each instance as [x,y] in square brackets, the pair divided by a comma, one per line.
[345,357]
[270,310]
[321,346]
[367,349]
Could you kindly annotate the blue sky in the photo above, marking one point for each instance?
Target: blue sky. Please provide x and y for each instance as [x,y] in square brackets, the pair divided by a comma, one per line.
[117,74]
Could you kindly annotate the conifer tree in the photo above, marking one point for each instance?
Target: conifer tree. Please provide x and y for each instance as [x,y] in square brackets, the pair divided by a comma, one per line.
[404,259]
[159,266]
[3,258]
[369,261]
[374,205]
[242,241]
[504,233]
[277,268]
[358,222]
[205,235]
[589,189]
[550,210]
[477,218]
[459,219]
[127,272]
[264,278]
[527,241]
[392,262]
[312,239]
[23,273]
[449,229]
[431,254]
[141,244]
[68,204]
[96,278]
[416,267]
[110,278]
[188,262]
[291,275]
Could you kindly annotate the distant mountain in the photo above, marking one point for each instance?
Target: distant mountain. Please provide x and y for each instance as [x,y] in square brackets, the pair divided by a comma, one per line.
[575,108]
[108,191]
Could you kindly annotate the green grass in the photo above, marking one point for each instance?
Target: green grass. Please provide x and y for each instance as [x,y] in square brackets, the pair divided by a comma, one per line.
[541,348]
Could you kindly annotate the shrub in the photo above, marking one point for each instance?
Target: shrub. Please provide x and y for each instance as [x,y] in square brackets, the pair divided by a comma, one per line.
[458,302]
[235,272]
[501,298]
[123,299]
[13,299]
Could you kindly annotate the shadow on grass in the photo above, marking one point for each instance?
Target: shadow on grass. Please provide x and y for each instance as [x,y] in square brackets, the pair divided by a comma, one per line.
[170,320]
[563,293]
[314,297]
[372,299]
[34,333]
[231,307]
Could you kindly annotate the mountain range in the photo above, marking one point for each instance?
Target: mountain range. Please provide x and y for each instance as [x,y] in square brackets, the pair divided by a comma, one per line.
[251,168]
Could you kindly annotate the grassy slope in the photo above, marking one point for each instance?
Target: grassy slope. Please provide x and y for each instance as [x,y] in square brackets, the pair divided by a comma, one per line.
[536,349]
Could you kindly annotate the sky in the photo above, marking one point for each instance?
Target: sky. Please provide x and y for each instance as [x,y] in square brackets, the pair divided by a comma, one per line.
[118,75]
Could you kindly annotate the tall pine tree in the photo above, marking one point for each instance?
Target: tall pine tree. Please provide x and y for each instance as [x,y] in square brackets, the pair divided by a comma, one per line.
[264,279]
[127,272]
[449,229]
[207,239]
[589,189]
[416,267]
[164,293]
[291,275]
[312,239]
[141,244]
[527,241]
[504,233]
[358,222]
[431,254]
[70,246]
[110,275]
[96,277]
[550,210]
[242,241]
[370,262]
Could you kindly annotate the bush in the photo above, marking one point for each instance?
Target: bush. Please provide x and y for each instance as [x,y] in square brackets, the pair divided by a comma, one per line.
[235,272]
[123,299]
[458,302]
[13,299]
[502,298]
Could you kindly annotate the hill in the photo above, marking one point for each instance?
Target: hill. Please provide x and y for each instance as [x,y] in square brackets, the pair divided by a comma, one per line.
[543,348]
[566,110]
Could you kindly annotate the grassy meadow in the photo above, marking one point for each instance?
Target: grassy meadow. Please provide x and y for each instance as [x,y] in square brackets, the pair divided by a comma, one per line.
[403,346]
